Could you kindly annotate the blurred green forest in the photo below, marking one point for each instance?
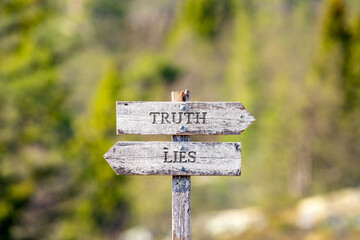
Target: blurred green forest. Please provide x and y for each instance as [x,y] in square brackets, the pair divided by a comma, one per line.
[294,64]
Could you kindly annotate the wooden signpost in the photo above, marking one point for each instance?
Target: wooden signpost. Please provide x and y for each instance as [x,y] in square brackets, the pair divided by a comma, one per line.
[179,158]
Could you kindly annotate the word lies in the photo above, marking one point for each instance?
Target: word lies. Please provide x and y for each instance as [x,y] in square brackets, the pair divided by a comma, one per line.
[179,156]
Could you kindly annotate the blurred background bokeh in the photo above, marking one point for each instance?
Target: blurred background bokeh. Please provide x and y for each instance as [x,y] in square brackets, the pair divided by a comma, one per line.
[294,64]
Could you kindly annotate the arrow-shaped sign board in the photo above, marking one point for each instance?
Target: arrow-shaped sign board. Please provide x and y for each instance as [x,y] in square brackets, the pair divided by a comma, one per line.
[184,118]
[175,158]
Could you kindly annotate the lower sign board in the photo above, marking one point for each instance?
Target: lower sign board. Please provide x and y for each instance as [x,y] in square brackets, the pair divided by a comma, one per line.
[175,158]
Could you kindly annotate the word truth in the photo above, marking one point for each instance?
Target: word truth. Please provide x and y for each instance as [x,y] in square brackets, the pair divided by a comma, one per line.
[178,117]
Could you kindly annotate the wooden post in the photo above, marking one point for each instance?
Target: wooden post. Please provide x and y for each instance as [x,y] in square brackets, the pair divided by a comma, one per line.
[181,188]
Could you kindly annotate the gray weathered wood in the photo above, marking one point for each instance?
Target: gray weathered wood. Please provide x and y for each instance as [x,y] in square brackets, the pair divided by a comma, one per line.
[167,158]
[186,118]
[181,208]
[181,187]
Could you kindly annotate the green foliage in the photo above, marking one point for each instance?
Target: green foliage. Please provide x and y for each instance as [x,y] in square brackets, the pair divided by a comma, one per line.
[149,75]
[35,122]
[335,27]
[98,192]
[352,84]
[300,79]
[109,9]
[104,103]
[206,17]
[107,17]
[335,88]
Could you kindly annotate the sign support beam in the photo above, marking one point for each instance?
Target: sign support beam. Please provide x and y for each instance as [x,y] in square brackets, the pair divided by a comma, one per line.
[181,187]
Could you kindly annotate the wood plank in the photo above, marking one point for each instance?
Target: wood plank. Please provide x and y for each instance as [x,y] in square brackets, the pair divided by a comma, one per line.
[182,118]
[175,158]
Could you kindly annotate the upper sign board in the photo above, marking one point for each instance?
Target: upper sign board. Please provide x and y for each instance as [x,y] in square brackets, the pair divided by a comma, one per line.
[182,118]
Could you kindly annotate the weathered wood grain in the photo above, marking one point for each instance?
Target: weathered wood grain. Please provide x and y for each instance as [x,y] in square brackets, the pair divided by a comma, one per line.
[175,158]
[181,187]
[181,208]
[182,118]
